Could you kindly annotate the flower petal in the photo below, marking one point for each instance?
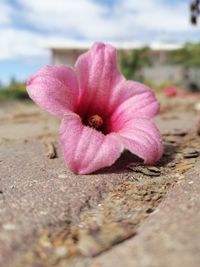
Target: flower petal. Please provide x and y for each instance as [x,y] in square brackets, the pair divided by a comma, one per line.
[85,149]
[142,138]
[135,100]
[98,76]
[54,88]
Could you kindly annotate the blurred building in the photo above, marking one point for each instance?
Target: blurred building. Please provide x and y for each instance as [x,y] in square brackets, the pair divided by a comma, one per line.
[67,53]
[159,72]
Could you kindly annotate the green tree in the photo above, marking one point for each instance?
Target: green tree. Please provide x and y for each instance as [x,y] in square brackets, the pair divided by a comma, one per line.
[132,62]
[188,56]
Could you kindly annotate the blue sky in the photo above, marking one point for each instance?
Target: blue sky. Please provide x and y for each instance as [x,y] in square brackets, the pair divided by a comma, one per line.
[29,27]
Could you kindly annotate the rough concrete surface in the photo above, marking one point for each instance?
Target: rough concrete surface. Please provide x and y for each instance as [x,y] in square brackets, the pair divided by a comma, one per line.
[170,236]
[37,192]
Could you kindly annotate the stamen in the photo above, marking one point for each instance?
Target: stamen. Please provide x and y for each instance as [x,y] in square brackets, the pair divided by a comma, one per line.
[95,121]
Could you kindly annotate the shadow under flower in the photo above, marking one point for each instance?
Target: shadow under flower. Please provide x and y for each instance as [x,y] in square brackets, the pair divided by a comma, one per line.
[126,158]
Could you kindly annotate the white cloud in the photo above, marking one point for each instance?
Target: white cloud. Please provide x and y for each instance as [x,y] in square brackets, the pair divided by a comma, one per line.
[158,15]
[126,19]
[61,20]
[25,44]
[83,18]
[5,13]
[15,43]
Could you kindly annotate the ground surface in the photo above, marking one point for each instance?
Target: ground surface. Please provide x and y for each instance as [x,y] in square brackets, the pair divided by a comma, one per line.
[126,215]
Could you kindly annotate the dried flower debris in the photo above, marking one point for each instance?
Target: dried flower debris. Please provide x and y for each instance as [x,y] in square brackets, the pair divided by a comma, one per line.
[147,170]
[50,149]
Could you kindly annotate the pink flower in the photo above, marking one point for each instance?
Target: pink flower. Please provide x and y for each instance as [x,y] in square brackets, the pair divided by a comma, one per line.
[102,113]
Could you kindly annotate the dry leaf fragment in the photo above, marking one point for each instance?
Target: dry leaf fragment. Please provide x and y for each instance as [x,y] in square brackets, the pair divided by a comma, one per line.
[181,168]
[51,150]
[147,170]
[191,154]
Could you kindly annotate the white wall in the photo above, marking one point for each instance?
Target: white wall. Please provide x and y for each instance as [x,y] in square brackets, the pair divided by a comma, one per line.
[161,73]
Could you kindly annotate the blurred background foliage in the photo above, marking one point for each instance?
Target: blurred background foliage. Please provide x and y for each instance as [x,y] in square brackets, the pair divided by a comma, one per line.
[188,56]
[131,63]
[14,90]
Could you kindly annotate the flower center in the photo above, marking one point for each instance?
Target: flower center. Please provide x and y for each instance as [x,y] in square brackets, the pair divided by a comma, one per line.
[95,121]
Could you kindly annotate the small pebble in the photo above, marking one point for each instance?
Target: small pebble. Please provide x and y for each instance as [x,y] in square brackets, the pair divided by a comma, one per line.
[9,227]
[43,212]
[62,176]
[61,251]
[197,106]
[44,242]
[181,177]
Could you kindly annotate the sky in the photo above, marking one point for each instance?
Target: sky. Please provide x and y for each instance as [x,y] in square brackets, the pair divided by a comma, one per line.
[29,27]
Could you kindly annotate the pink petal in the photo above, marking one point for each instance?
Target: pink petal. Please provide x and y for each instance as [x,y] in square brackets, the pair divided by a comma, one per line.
[85,149]
[98,77]
[142,138]
[54,88]
[135,100]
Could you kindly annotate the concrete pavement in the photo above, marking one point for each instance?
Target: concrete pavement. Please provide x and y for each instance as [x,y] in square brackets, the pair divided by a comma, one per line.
[38,193]
[170,236]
